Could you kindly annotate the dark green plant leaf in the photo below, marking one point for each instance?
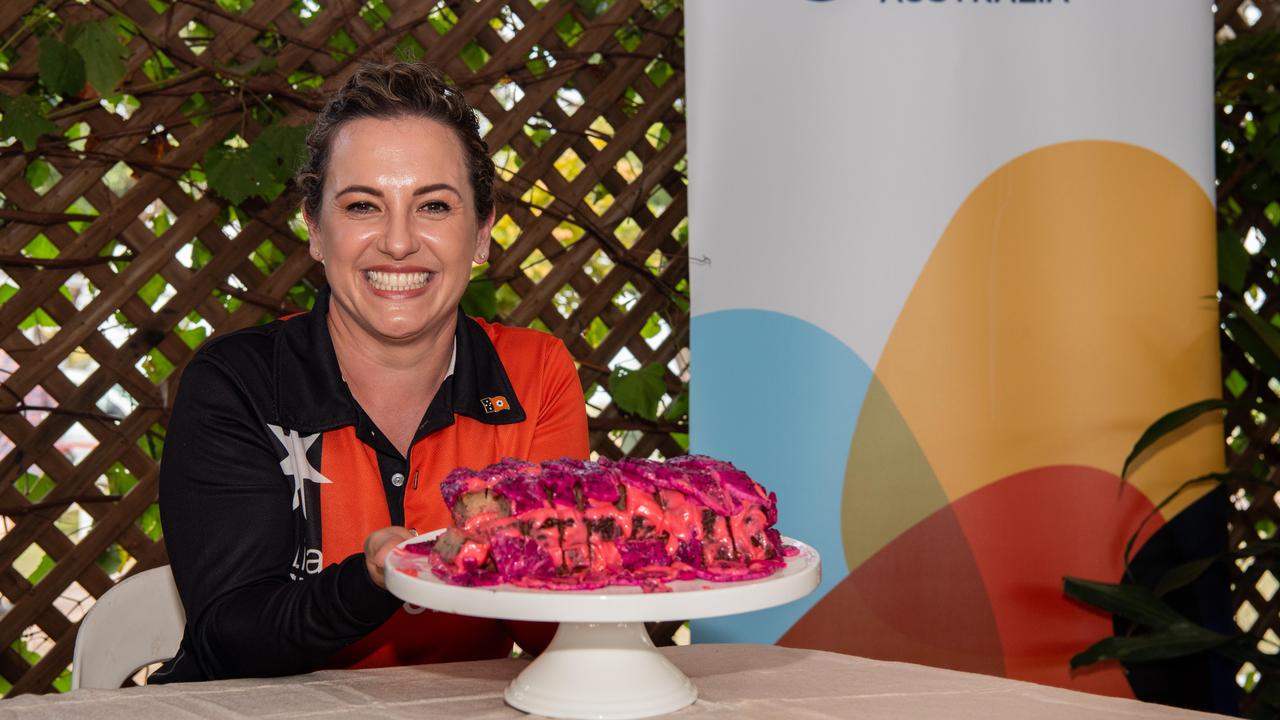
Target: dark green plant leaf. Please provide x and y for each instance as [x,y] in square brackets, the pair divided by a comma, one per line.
[1258,337]
[1269,547]
[61,67]
[38,173]
[1129,601]
[24,119]
[1177,640]
[281,149]
[679,408]
[260,170]
[1207,479]
[103,53]
[1233,260]
[236,174]
[637,392]
[1183,575]
[111,559]
[480,299]
[1170,422]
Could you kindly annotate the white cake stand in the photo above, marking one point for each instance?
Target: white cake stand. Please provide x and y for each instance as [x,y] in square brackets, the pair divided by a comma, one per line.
[602,663]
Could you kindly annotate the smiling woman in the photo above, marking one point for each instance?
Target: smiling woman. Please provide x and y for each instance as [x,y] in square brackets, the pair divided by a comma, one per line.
[300,452]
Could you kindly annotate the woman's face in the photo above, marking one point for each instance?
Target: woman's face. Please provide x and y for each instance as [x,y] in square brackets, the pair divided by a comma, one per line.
[397,229]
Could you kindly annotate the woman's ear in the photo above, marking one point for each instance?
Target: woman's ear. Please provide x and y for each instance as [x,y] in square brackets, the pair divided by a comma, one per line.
[313,236]
[484,235]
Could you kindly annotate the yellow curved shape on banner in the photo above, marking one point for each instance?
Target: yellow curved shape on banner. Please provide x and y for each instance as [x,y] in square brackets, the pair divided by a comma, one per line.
[1068,304]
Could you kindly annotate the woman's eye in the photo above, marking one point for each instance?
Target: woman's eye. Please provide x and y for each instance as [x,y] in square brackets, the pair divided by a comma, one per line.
[361,207]
[436,206]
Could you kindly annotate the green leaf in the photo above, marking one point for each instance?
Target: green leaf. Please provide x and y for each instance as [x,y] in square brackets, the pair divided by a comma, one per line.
[192,336]
[119,480]
[150,292]
[280,150]
[40,248]
[100,46]
[1183,575]
[34,487]
[46,564]
[474,55]
[61,67]
[480,299]
[1177,640]
[235,174]
[1170,422]
[111,559]
[1129,601]
[1233,261]
[1255,336]
[597,331]
[651,327]
[260,170]
[679,408]
[149,521]
[637,392]
[24,119]
[38,174]
[157,367]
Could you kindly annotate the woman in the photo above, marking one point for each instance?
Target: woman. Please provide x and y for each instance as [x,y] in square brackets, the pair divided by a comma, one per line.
[300,452]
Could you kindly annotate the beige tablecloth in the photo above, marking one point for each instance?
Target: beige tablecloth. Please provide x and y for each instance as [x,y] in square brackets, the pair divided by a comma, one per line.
[734,681]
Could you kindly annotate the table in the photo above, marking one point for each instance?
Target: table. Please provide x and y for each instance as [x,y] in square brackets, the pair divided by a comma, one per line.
[734,681]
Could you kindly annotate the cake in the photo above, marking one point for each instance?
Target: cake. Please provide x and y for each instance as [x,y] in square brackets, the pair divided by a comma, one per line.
[580,525]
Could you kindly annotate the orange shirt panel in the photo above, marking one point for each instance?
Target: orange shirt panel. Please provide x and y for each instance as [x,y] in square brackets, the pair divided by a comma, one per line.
[354,504]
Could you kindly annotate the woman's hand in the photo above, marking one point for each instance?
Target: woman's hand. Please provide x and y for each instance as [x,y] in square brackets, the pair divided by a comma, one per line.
[376,547]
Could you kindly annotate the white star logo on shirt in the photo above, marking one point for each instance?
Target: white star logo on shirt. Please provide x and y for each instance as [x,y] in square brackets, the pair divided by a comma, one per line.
[296,464]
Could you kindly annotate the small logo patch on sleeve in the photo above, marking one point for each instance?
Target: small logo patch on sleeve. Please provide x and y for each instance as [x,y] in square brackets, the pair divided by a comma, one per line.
[494,404]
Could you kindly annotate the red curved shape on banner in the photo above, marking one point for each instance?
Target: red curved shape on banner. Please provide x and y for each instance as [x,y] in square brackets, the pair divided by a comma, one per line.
[994,558]
[903,602]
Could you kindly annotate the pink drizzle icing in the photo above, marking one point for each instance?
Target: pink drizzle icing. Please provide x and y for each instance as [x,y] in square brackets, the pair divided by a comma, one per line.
[578,525]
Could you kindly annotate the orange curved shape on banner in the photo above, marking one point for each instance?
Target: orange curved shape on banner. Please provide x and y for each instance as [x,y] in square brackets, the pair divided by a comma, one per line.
[1069,303]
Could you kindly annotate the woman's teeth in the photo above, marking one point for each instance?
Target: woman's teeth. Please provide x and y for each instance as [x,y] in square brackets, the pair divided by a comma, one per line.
[397,280]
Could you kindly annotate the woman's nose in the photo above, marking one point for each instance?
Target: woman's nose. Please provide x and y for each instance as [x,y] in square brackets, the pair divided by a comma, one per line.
[398,240]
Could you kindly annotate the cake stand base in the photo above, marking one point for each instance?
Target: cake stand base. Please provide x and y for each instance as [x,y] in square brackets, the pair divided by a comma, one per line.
[609,671]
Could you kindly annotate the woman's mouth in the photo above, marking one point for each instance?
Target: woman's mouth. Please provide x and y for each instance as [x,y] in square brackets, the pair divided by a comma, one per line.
[397,281]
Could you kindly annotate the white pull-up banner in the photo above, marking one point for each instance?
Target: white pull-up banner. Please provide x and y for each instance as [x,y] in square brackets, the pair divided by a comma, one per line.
[949,259]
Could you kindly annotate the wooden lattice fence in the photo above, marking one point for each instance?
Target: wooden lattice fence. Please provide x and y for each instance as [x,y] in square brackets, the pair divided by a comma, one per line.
[583,108]
[121,251]
[1248,190]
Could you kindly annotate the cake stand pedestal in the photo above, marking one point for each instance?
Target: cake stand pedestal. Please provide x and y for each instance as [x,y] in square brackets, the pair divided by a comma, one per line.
[601,663]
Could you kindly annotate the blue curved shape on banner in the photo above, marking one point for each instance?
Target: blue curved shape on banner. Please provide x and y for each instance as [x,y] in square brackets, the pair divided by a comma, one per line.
[779,397]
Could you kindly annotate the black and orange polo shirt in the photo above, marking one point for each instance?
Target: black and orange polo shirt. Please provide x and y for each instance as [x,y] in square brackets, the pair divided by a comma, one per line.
[272,477]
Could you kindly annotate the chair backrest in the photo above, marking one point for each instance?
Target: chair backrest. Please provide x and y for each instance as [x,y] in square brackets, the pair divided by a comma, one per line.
[134,624]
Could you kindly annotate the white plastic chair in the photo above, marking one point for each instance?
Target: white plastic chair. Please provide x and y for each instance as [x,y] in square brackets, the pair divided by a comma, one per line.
[134,624]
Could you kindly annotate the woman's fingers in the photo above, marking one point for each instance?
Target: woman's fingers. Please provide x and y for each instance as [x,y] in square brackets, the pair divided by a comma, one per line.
[377,545]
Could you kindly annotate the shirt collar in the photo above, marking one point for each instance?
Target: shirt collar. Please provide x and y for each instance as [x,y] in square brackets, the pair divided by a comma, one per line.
[311,396]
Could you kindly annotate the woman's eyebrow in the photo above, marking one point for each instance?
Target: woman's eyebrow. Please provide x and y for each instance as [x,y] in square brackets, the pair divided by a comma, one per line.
[437,186]
[361,189]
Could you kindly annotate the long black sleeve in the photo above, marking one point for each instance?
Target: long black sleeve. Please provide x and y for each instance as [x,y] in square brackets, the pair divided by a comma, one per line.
[225,505]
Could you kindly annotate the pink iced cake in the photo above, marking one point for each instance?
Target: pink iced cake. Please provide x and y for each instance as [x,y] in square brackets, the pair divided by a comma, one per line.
[577,525]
